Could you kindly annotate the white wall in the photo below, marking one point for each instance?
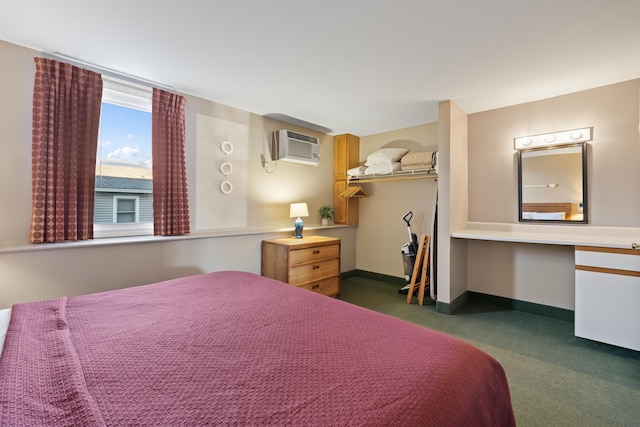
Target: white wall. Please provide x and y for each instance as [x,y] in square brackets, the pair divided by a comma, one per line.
[381,230]
[544,274]
[260,200]
[16,86]
[451,279]
[68,271]
[541,274]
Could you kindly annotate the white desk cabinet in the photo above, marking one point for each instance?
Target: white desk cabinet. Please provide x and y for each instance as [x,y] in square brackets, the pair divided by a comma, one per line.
[608,295]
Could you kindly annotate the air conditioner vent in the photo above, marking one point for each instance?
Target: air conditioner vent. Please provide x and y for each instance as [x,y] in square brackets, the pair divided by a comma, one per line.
[295,147]
[301,137]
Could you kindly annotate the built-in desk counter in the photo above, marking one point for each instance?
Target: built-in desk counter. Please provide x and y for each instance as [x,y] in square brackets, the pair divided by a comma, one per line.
[607,280]
[552,234]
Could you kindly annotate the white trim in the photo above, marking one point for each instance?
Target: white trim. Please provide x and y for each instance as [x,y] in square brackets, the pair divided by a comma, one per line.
[122,190]
[101,231]
[150,238]
[126,94]
[106,72]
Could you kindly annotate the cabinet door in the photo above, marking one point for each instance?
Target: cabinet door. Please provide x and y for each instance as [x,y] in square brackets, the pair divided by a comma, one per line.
[607,308]
[340,204]
[346,154]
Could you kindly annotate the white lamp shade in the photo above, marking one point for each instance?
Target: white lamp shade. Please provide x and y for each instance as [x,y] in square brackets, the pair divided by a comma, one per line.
[298,209]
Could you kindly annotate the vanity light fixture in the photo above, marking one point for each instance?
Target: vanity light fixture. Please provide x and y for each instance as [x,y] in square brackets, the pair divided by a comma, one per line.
[555,139]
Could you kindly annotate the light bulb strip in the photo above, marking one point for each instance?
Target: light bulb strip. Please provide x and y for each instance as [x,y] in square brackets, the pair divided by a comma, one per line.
[555,139]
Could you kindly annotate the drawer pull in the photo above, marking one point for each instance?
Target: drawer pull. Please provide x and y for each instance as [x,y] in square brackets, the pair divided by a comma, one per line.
[315,286]
[315,267]
[316,252]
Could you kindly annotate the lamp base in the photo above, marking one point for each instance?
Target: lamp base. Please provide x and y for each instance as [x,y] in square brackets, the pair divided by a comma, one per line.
[299,226]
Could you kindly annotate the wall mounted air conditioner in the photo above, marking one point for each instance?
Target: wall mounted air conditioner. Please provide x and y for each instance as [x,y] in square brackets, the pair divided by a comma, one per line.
[294,147]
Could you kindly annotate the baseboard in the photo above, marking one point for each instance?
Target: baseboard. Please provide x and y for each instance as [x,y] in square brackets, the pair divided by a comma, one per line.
[348,274]
[450,308]
[527,307]
[397,281]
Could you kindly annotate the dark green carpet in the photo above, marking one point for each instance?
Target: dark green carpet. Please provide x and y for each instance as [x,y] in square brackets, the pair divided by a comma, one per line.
[555,378]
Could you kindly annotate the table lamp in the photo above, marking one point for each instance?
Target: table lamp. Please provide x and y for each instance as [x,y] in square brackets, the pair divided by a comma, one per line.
[298,210]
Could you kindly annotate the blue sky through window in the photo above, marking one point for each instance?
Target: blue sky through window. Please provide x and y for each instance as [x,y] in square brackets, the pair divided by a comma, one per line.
[125,134]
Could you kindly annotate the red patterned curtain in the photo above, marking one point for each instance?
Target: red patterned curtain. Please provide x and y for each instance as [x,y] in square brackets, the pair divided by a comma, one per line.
[170,198]
[66,116]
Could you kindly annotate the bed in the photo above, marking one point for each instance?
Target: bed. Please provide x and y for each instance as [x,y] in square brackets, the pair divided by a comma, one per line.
[234,348]
[548,210]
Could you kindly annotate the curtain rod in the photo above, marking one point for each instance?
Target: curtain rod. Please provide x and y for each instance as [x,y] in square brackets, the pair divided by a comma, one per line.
[108,71]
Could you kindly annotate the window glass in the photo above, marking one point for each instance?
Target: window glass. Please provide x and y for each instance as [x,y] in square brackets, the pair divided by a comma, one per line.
[124,182]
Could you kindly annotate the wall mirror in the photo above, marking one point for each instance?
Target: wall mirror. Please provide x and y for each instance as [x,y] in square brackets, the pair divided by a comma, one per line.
[552,184]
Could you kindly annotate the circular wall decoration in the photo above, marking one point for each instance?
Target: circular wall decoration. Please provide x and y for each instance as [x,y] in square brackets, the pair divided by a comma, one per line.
[226,168]
[226,147]
[226,187]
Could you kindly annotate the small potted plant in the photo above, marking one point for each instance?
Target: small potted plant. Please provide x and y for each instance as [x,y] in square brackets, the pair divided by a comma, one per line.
[326,213]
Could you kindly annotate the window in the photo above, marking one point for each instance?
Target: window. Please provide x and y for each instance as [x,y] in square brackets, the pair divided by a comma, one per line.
[125,209]
[124,181]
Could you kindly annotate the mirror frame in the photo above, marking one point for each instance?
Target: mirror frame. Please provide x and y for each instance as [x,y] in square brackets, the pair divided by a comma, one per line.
[585,204]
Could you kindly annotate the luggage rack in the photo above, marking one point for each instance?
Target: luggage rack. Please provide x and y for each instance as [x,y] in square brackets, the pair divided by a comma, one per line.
[394,176]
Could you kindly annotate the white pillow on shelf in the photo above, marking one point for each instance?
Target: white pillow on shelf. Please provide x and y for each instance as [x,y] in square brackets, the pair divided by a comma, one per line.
[382,168]
[359,170]
[385,155]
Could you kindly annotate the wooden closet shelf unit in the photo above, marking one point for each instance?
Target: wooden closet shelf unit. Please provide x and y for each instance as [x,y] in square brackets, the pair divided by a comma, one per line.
[346,155]
[312,262]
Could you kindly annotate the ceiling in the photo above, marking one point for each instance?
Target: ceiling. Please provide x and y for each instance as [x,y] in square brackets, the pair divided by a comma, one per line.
[353,66]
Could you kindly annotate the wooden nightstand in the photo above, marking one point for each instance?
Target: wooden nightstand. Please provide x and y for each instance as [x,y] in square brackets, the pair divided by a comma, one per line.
[312,262]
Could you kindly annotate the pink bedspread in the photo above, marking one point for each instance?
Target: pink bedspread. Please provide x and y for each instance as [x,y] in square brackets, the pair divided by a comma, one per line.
[233,348]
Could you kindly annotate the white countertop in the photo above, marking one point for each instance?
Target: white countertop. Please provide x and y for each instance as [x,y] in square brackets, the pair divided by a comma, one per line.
[553,234]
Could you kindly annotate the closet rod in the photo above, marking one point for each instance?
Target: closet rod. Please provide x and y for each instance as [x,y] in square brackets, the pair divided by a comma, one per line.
[108,71]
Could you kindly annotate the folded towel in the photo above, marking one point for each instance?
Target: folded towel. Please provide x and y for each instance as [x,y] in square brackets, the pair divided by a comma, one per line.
[417,158]
[356,171]
[382,168]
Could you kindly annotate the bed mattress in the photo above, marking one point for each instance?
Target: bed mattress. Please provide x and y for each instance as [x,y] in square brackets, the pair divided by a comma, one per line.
[234,348]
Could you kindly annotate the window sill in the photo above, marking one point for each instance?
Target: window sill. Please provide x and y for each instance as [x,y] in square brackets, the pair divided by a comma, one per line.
[202,234]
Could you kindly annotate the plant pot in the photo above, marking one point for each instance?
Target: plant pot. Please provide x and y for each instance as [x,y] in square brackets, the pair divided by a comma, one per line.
[325,221]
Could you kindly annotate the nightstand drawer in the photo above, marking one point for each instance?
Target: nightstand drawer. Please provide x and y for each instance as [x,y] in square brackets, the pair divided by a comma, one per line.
[314,271]
[330,287]
[319,253]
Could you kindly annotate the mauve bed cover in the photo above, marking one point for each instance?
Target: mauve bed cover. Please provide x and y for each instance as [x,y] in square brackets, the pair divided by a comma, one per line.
[234,348]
